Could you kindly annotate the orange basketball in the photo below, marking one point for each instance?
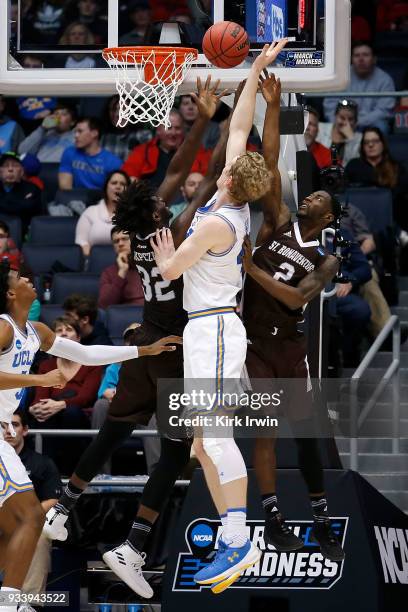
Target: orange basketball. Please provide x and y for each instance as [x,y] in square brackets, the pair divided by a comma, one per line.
[226,44]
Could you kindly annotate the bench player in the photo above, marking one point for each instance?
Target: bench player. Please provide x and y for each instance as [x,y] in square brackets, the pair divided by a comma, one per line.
[21,515]
[288,269]
[214,340]
[140,212]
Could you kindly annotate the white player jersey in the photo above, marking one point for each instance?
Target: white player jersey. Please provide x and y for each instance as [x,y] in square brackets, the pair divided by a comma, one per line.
[16,359]
[215,280]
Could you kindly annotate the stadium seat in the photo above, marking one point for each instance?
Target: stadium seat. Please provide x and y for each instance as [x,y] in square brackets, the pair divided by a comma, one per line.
[87,196]
[53,230]
[119,317]
[102,256]
[398,144]
[42,257]
[14,224]
[49,174]
[395,68]
[49,312]
[376,204]
[65,283]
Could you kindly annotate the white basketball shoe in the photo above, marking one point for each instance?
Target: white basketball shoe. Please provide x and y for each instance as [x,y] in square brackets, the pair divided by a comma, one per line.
[54,526]
[127,564]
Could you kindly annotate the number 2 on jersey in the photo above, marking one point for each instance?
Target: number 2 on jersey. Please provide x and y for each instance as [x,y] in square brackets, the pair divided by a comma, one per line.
[287,272]
[157,286]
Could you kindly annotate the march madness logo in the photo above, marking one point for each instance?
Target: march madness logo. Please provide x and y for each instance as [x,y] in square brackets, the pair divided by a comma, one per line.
[303,569]
[302,59]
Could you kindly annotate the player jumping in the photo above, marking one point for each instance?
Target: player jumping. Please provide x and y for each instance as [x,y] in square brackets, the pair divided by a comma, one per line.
[288,269]
[140,212]
[214,339]
[21,516]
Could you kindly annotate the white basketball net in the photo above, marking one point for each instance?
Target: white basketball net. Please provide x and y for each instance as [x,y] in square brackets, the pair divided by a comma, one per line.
[149,100]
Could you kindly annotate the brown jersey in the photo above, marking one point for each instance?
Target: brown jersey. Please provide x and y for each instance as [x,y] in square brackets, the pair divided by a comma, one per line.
[287,258]
[163,305]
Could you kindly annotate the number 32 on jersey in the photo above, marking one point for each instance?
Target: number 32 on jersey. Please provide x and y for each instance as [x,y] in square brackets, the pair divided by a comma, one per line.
[155,288]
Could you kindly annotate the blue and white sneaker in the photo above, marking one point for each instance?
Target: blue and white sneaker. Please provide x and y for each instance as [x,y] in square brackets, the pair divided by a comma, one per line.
[228,561]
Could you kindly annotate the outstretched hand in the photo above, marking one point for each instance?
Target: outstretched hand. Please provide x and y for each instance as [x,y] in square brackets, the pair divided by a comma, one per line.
[270,87]
[164,345]
[269,54]
[247,260]
[163,247]
[207,98]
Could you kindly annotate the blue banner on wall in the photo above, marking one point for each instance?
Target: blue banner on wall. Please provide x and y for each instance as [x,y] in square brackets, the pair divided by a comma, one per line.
[266,20]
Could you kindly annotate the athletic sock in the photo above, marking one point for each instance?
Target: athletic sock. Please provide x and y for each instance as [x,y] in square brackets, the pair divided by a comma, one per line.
[138,533]
[7,604]
[270,503]
[224,519]
[68,499]
[235,533]
[319,508]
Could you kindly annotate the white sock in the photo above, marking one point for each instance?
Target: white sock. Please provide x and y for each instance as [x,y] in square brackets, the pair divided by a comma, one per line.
[235,533]
[224,518]
[11,607]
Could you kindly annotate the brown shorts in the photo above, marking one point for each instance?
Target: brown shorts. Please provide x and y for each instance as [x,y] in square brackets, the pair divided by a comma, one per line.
[136,394]
[281,356]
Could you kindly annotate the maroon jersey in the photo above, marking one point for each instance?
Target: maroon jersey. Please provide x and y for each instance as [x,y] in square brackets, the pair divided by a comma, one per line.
[288,259]
[163,306]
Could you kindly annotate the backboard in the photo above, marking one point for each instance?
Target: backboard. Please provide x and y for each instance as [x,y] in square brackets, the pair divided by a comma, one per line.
[47,47]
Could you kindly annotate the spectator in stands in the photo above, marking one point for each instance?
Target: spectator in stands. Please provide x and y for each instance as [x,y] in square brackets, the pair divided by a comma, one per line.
[95,224]
[321,153]
[189,113]
[188,190]
[342,133]
[376,168]
[8,247]
[86,164]
[32,169]
[353,310]
[47,486]
[17,196]
[31,61]
[77,34]
[65,408]
[366,76]
[43,21]
[53,136]
[84,310]
[11,133]
[389,12]
[87,13]
[151,159]
[33,109]
[120,141]
[120,283]
[139,16]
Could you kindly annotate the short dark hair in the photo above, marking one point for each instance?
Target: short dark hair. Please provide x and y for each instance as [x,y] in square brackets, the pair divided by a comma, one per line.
[336,207]
[362,43]
[4,227]
[4,283]
[22,415]
[62,105]
[83,305]
[93,123]
[68,322]
[312,111]
[349,105]
[109,176]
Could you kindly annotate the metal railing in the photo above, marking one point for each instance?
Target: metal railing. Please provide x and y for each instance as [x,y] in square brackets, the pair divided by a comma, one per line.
[392,372]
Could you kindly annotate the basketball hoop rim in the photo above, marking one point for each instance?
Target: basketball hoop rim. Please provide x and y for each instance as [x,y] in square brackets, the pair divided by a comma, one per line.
[137,54]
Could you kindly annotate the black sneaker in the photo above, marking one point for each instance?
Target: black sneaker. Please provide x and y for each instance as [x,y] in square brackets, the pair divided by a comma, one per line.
[330,548]
[280,535]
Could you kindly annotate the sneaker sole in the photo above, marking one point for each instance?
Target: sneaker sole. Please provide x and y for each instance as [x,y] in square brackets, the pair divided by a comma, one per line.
[324,554]
[222,586]
[250,559]
[116,569]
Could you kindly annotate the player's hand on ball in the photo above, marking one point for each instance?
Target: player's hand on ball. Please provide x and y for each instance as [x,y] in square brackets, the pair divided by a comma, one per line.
[270,87]
[55,378]
[269,54]
[247,260]
[207,98]
[163,345]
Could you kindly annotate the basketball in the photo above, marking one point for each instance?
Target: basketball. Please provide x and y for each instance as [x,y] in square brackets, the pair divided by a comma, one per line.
[226,44]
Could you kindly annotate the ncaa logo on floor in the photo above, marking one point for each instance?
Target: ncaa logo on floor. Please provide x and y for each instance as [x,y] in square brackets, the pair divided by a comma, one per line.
[202,535]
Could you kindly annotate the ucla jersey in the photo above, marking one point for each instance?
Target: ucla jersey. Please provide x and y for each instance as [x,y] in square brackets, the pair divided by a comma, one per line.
[16,359]
[216,279]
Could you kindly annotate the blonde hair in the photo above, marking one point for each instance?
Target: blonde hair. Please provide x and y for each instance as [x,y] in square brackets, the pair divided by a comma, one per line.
[64,40]
[251,178]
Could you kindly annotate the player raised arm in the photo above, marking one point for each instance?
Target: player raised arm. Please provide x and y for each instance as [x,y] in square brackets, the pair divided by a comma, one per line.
[99,355]
[293,297]
[243,116]
[208,185]
[274,211]
[207,100]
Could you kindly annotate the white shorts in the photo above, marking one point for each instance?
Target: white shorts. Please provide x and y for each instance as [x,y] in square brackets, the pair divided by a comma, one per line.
[214,348]
[13,475]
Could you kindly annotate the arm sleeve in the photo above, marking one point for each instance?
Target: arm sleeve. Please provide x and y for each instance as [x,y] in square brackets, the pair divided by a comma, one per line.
[66,161]
[329,106]
[133,164]
[88,390]
[83,228]
[111,287]
[91,355]
[110,380]
[17,137]
[32,143]
[383,106]
[359,268]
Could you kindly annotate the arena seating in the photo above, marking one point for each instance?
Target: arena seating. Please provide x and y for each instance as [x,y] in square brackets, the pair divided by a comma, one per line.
[102,256]
[119,317]
[66,283]
[14,224]
[53,230]
[41,259]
